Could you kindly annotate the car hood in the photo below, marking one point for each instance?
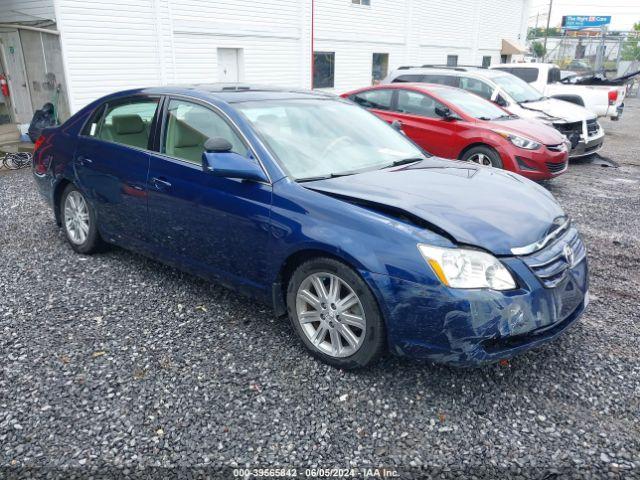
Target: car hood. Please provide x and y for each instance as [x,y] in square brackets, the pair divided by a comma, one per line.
[479,206]
[538,131]
[552,107]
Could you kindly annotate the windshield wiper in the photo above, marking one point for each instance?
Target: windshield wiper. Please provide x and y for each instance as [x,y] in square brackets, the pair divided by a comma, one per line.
[532,100]
[403,161]
[324,177]
[506,117]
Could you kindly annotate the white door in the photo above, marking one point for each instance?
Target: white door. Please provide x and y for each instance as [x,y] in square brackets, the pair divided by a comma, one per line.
[13,62]
[230,65]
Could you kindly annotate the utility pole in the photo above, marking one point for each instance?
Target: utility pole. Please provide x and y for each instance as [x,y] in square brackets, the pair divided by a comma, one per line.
[546,32]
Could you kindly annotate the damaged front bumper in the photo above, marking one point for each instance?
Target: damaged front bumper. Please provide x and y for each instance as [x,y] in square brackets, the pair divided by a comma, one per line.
[589,147]
[474,327]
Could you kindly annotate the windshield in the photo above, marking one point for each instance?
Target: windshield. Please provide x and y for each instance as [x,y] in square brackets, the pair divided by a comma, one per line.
[517,89]
[326,137]
[472,104]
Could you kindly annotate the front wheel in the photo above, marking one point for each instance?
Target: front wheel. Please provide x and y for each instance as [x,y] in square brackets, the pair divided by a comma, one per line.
[79,221]
[335,314]
[483,155]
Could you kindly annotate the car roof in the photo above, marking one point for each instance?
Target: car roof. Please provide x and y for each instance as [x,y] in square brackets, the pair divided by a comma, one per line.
[426,86]
[526,65]
[451,71]
[236,92]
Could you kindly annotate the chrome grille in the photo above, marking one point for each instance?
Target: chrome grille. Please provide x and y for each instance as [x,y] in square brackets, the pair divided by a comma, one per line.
[550,264]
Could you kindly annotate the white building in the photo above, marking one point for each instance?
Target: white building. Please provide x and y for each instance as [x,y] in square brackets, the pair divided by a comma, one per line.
[99,46]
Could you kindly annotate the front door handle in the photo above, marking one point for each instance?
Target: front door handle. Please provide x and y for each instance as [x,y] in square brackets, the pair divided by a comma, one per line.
[82,160]
[160,183]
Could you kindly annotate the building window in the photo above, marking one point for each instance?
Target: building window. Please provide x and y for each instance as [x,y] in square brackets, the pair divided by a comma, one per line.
[324,69]
[379,67]
[452,60]
[486,61]
[361,2]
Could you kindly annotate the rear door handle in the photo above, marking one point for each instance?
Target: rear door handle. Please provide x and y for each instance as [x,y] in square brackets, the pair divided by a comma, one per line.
[160,183]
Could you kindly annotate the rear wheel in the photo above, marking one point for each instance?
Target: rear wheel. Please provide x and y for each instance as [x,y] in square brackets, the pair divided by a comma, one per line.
[335,314]
[79,221]
[483,155]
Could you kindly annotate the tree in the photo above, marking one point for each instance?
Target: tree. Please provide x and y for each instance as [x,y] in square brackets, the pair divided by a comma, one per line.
[631,48]
[538,49]
[540,32]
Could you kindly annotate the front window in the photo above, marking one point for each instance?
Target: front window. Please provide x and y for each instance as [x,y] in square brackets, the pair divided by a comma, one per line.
[325,137]
[476,86]
[415,103]
[472,104]
[517,89]
[189,126]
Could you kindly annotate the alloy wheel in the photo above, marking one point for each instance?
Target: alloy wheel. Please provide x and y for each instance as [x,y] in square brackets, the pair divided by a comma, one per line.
[481,159]
[76,217]
[330,314]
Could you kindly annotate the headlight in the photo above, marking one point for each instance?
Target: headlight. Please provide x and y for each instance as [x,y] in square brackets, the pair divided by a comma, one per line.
[465,268]
[519,141]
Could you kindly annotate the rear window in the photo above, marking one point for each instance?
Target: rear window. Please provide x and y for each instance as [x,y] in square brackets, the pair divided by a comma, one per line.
[554,75]
[408,79]
[449,80]
[527,74]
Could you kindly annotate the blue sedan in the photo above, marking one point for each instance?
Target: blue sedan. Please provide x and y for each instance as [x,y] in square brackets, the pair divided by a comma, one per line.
[309,203]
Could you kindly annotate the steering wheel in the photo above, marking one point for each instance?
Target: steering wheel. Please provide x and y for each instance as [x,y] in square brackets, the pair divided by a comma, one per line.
[333,145]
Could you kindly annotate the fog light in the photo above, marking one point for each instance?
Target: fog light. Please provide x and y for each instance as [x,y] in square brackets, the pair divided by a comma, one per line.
[523,165]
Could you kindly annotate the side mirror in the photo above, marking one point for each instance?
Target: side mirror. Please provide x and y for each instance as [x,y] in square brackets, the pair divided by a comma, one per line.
[218,145]
[233,165]
[397,125]
[445,113]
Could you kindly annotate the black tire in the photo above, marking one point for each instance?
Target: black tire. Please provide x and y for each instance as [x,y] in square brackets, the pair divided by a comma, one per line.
[490,153]
[374,341]
[93,242]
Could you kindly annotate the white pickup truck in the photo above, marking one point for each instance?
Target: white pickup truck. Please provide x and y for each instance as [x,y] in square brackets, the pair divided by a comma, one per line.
[603,100]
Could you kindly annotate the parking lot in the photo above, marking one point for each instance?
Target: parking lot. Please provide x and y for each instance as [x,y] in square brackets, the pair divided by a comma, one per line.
[115,360]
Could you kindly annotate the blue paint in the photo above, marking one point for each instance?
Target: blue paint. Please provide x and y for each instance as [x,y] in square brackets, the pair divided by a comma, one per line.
[579,22]
[242,233]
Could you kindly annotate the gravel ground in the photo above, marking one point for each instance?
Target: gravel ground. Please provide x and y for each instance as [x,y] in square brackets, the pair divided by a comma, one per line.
[117,362]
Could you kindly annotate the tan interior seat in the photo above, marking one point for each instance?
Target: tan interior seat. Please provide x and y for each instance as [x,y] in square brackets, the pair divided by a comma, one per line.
[128,130]
[185,142]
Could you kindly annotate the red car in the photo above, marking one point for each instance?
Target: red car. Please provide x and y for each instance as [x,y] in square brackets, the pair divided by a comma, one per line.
[452,123]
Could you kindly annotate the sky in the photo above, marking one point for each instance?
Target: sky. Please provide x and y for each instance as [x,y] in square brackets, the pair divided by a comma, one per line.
[623,12]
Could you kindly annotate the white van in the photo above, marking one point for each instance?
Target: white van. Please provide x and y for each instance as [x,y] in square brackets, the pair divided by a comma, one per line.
[580,126]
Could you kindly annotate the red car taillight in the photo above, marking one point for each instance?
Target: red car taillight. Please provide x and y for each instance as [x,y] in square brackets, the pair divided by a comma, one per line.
[39,165]
[41,139]
[613,97]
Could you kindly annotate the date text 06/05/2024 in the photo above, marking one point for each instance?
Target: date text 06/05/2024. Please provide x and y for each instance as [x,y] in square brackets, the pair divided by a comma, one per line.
[315,473]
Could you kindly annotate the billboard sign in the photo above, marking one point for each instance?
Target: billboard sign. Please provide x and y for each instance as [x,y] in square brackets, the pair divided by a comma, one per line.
[578,22]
